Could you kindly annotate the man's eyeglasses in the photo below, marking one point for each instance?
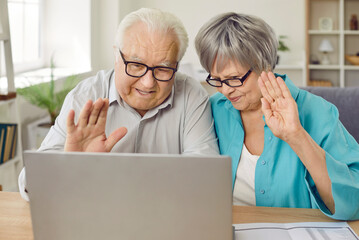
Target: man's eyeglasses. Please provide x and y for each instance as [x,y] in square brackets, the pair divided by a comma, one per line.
[231,82]
[136,69]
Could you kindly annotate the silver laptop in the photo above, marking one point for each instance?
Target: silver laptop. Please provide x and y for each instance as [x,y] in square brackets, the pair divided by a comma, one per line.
[129,196]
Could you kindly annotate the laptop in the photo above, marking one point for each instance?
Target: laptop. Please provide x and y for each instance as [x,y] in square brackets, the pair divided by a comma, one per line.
[129,196]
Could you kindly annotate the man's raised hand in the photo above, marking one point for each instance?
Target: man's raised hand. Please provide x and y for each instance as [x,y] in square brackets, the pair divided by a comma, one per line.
[88,135]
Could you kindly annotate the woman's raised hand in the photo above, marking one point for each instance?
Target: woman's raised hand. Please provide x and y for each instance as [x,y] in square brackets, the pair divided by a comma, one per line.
[278,106]
[88,135]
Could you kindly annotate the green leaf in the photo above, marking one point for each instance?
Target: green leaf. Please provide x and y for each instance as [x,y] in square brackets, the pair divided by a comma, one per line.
[44,95]
[282,46]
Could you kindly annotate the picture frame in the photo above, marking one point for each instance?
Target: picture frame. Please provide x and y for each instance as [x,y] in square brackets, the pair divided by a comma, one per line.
[325,24]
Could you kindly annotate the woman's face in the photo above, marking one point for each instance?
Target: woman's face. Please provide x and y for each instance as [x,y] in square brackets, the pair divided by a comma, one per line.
[244,98]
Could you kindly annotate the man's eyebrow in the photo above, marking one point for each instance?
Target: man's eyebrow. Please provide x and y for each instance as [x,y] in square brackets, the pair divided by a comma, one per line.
[165,64]
[135,59]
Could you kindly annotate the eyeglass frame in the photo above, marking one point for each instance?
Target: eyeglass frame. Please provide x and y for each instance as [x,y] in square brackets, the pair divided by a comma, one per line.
[147,68]
[225,81]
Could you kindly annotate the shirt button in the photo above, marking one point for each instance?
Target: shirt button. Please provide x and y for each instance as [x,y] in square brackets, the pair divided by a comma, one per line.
[262,191]
[263,162]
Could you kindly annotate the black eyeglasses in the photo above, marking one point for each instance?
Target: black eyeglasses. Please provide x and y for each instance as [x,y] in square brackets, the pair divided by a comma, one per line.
[231,82]
[136,69]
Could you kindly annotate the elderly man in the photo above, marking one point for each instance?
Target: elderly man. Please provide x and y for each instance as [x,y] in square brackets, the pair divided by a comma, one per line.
[143,105]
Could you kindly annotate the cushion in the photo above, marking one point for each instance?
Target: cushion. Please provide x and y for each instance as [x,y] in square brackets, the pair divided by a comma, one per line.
[347,102]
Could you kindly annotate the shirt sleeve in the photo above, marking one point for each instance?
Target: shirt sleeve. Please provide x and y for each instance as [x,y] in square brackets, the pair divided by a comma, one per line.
[342,159]
[22,185]
[199,135]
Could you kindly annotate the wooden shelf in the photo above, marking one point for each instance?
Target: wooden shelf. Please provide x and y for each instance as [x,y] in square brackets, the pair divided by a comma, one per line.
[7,96]
[351,32]
[321,32]
[351,67]
[324,67]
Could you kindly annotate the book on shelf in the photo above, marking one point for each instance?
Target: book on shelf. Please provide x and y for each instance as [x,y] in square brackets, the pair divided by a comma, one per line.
[8,141]
[13,145]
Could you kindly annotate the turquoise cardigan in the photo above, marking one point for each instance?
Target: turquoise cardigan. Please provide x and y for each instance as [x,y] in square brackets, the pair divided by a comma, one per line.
[281,180]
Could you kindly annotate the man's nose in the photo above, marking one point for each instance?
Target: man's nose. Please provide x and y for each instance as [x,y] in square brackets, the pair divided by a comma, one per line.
[148,80]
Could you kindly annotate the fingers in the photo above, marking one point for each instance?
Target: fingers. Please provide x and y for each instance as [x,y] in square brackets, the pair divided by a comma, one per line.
[70,123]
[266,109]
[272,88]
[84,115]
[91,114]
[96,108]
[115,136]
[264,91]
[103,113]
[284,88]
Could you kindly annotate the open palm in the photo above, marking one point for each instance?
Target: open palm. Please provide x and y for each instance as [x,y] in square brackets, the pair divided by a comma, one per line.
[278,106]
[89,133]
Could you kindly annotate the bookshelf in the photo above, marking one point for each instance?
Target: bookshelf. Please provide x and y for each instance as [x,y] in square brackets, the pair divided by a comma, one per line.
[330,20]
[10,169]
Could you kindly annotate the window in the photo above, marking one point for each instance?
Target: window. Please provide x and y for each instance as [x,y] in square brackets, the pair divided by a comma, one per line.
[44,30]
[25,33]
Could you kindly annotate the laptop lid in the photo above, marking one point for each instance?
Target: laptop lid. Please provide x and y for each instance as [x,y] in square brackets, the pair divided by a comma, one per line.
[129,196]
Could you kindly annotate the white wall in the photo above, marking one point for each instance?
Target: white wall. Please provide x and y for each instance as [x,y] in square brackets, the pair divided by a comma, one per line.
[105,17]
[286,17]
[67,32]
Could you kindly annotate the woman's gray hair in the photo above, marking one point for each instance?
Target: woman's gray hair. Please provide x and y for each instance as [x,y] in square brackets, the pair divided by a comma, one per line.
[156,20]
[243,38]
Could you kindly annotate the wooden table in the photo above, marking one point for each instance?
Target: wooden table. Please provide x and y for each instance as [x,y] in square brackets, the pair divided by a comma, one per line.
[15,220]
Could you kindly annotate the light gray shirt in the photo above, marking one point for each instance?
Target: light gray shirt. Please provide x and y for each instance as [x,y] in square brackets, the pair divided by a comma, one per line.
[182,124]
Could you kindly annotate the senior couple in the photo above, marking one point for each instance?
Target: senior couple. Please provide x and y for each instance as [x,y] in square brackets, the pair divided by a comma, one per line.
[288,147]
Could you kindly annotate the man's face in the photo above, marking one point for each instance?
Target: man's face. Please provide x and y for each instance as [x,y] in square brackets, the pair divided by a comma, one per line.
[153,49]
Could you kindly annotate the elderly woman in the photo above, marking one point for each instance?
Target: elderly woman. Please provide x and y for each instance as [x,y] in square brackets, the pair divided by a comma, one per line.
[288,147]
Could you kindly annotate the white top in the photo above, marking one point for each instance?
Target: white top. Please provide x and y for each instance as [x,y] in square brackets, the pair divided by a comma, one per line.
[182,124]
[243,193]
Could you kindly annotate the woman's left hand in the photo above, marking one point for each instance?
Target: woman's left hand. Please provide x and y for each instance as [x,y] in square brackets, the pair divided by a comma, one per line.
[278,106]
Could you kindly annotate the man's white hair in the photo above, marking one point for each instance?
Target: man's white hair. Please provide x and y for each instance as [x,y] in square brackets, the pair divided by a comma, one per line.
[156,20]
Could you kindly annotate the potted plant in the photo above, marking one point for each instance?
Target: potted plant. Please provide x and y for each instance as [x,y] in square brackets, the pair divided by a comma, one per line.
[282,46]
[46,96]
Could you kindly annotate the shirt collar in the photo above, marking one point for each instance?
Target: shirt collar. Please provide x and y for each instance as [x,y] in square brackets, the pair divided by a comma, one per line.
[113,94]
